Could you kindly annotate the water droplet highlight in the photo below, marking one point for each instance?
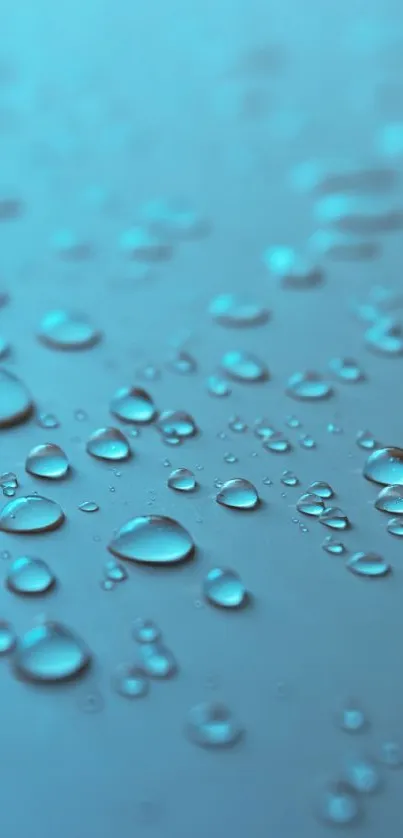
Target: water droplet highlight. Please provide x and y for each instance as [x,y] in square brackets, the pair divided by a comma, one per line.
[146,631]
[224,588]
[47,461]
[244,367]
[363,775]
[183,364]
[89,506]
[31,514]
[335,548]
[153,539]
[218,387]
[157,660]
[338,804]
[131,681]
[8,637]
[236,312]
[47,420]
[346,370]
[238,494]
[390,499]
[288,478]
[366,440]
[114,571]
[310,504]
[50,653]
[176,423]
[277,443]
[108,444]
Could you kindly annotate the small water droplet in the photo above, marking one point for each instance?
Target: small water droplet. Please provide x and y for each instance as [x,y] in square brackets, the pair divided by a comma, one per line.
[288,478]
[47,420]
[237,425]
[366,440]
[146,631]
[267,481]
[308,386]
[157,660]
[217,386]
[47,461]
[182,480]
[293,422]
[238,494]
[351,717]
[176,424]
[8,483]
[8,637]
[310,504]
[67,330]
[107,584]
[174,219]
[322,489]
[15,402]
[307,441]
[334,518]
[230,458]
[131,681]
[114,571]
[153,539]
[338,804]
[276,443]
[50,652]
[385,466]
[390,499]
[141,244]
[80,415]
[108,444]
[212,725]
[133,404]
[149,373]
[243,366]
[346,370]
[29,576]
[237,312]
[333,428]
[263,429]
[395,526]
[368,564]
[183,363]
[335,548]
[293,269]
[31,514]
[363,775]
[223,587]
[89,506]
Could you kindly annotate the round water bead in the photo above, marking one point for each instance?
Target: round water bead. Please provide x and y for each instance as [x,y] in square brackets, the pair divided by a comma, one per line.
[177,424]
[108,444]
[28,576]
[47,461]
[370,565]
[133,404]
[67,330]
[157,660]
[238,494]
[310,504]
[212,725]
[182,480]
[338,804]
[50,652]
[346,370]
[31,514]
[153,539]
[131,681]
[8,637]
[334,518]
[146,631]
[395,526]
[385,337]
[223,587]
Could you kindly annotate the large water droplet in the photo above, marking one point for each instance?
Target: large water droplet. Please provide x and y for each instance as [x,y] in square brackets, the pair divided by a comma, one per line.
[67,330]
[157,660]
[308,386]
[177,423]
[146,631]
[212,725]
[50,652]
[145,246]
[370,565]
[293,269]
[47,461]
[346,370]
[310,504]
[390,499]
[133,404]
[31,514]
[238,494]
[338,804]
[334,518]
[153,539]
[131,681]
[30,576]
[231,310]
[395,526]
[108,444]
[385,466]
[243,366]
[15,401]
[8,637]
[223,587]
[182,480]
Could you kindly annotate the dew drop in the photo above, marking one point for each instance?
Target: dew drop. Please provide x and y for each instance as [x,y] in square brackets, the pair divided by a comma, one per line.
[183,363]
[157,660]
[307,441]
[182,480]
[308,386]
[141,244]
[366,440]
[8,637]
[293,269]
[115,571]
[237,425]
[334,518]
[238,494]
[50,652]
[277,443]
[310,504]
[153,539]
[47,420]
[319,487]
[67,330]
[288,478]
[108,444]
[89,506]
[29,576]
[212,725]
[237,312]
[335,548]
[395,526]
[363,775]
[390,499]
[133,404]
[223,587]
[385,466]
[146,631]
[346,370]
[31,514]
[131,681]
[263,429]
[338,804]
[15,402]
[47,461]
[244,367]
[176,423]
[370,565]
[218,387]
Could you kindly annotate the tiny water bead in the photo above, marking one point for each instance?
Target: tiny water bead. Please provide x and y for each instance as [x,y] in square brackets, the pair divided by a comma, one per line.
[47,461]
[385,337]
[395,526]
[262,429]
[244,367]
[363,775]
[80,415]
[131,681]
[16,404]
[293,269]
[238,494]
[114,571]
[338,804]
[334,518]
[183,363]
[50,653]
[310,504]
[47,420]
[152,539]
[224,588]
[346,370]
[385,466]
[370,565]
[218,387]
[182,480]
[335,548]
[277,443]
[31,514]
[366,440]
[67,330]
[212,725]
[333,428]
[237,312]
[143,245]
[307,441]
[308,386]
[28,576]
[89,506]
[177,423]
[108,444]
[146,631]
[133,404]
[322,489]
[390,499]
[157,660]
[8,637]
[288,478]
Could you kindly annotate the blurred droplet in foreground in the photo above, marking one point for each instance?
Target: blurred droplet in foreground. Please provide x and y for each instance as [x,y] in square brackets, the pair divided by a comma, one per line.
[308,386]
[244,367]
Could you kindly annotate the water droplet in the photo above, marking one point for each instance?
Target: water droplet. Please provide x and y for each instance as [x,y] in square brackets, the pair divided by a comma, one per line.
[293,269]
[293,422]
[8,483]
[143,245]
[174,219]
[80,415]
[363,775]
[244,367]
[338,804]
[89,506]
[359,215]
[47,420]
[29,576]
[149,373]
[332,428]
[237,425]
[368,564]
[154,539]
[391,754]
[50,652]
[47,461]
[395,526]
[230,458]
[107,584]
[366,440]
[115,571]
[310,504]
[223,587]
[319,487]
[108,444]
[277,443]
[385,466]
[217,386]
[385,337]
[8,637]
[263,429]
[390,499]
[335,548]
[15,402]
[31,514]
[307,441]
[182,480]
[183,363]
[351,717]
[346,370]
[334,518]
[67,330]
[234,311]
[131,681]
[157,660]
[288,478]
[176,423]
[308,386]
[238,494]
[146,631]
[133,404]
[212,725]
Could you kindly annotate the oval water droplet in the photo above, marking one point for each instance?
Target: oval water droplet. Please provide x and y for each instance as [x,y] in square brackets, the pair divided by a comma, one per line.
[50,652]
[385,466]
[223,587]
[67,330]
[89,506]
[108,444]
[133,404]
[346,370]
[308,386]
[182,480]
[238,494]
[131,681]
[176,423]
[237,425]
[8,637]
[153,539]
[307,441]
[335,548]
[29,576]
[146,631]
[310,504]
[338,804]
[174,219]
[370,565]
[31,514]
[212,725]
[395,526]
[114,571]
[234,311]
[15,402]
[390,499]
[157,660]
[217,386]
[244,367]
[47,461]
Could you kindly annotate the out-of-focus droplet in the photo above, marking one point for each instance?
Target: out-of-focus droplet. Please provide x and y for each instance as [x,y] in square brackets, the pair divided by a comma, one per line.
[344,247]
[70,246]
[47,461]
[293,269]
[395,526]
[244,367]
[308,386]
[338,804]
[212,725]
[293,422]
[346,370]
[238,494]
[223,587]
[334,518]
[335,548]
[176,423]
[133,404]
[108,444]
[236,312]
[263,429]
[8,637]
[351,717]
[385,337]
[67,330]
[16,404]
[152,539]
[50,652]
[217,386]
[307,441]
[146,631]
[115,571]
[237,425]
[390,499]
[131,681]
[288,478]
[47,420]
[310,504]
[157,660]
[145,246]
[385,466]
[31,514]
[363,775]
[183,363]
[4,348]
[29,576]
[370,565]
[366,440]
[182,480]
[89,506]
[174,219]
